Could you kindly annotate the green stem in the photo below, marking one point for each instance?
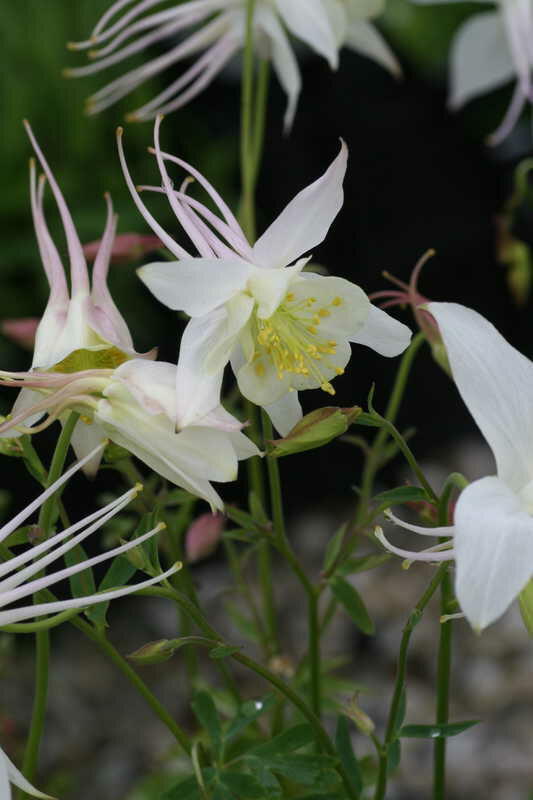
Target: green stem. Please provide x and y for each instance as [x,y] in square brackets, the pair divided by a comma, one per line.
[263,76]
[373,461]
[42,636]
[247,97]
[112,653]
[399,686]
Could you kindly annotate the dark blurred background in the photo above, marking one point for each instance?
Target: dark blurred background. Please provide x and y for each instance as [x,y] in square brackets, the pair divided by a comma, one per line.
[418,178]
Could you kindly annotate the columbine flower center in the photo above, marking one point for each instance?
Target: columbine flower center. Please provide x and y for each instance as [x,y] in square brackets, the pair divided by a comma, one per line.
[291,339]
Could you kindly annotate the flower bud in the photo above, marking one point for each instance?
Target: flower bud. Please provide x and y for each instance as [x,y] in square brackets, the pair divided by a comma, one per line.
[127,248]
[360,717]
[203,536]
[21,330]
[315,430]
[154,652]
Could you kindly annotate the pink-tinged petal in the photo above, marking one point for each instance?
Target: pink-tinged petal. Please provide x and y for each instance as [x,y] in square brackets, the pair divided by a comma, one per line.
[104,317]
[494,550]
[127,248]
[152,383]
[308,20]
[41,609]
[285,413]
[196,286]
[21,331]
[283,60]
[78,266]
[383,333]
[167,240]
[305,221]
[53,267]
[496,384]
[443,530]
[203,536]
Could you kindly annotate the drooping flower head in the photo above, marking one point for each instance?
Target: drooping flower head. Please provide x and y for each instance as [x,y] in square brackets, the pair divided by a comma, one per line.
[489,50]
[84,361]
[493,518]
[18,581]
[215,31]
[283,329]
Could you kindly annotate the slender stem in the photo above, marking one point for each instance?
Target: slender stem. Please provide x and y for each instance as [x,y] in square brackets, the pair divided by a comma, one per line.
[244,589]
[112,653]
[42,660]
[399,686]
[276,498]
[444,653]
[42,636]
[263,76]
[373,461]
[247,97]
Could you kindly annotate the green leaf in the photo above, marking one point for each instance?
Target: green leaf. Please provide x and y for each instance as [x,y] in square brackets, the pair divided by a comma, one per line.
[118,574]
[403,494]
[186,789]
[82,583]
[351,601]
[291,739]
[205,710]
[310,770]
[242,519]
[244,624]
[363,563]
[526,606]
[334,547]
[222,651]
[315,429]
[269,782]
[348,760]
[394,754]
[248,712]
[436,731]
[145,557]
[242,785]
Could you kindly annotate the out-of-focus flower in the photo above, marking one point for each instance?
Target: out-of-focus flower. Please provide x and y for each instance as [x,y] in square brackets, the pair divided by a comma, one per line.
[127,247]
[18,585]
[489,50]
[203,536]
[493,519]
[215,32]
[21,330]
[283,329]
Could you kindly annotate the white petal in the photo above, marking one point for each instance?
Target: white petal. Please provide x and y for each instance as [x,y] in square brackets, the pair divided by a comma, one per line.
[480,58]
[10,774]
[196,286]
[285,413]
[268,286]
[383,333]
[365,39]
[496,383]
[209,452]
[85,437]
[365,9]
[306,220]
[309,21]
[152,383]
[261,384]
[346,305]
[494,550]
[283,59]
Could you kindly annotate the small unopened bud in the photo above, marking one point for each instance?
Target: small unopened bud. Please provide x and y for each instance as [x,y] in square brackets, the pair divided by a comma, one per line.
[203,536]
[21,330]
[154,652]
[35,534]
[283,666]
[315,430]
[360,717]
[127,248]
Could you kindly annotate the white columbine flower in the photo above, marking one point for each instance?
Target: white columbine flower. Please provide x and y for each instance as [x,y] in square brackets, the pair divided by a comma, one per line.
[489,50]
[493,519]
[215,31]
[18,581]
[283,329]
[81,329]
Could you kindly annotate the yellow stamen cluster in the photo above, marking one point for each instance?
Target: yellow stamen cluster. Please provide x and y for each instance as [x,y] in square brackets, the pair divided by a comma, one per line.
[290,338]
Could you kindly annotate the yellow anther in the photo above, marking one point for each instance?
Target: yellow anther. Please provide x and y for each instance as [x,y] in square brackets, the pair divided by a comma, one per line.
[324,312]
[85,419]
[311,329]
[316,319]
[327,387]
[332,343]
[289,297]
[339,370]
[259,369]
[337,301]
[138,487]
